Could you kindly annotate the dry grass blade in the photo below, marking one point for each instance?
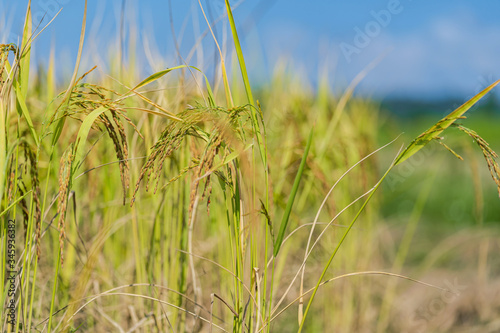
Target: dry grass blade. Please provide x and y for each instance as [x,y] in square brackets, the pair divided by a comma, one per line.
[91,298]
[342,239]
[351,275]
[323,203]
[247,289]
[62,202]
[158,301]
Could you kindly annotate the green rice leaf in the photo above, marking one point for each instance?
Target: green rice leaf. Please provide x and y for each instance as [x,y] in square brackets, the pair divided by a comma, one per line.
[83,133]
[248,88]
[156,76]
[58,130]
[160,74]
[440,126]
[239,53]
[24,66]
[289,204]
[14,203]
[23,109]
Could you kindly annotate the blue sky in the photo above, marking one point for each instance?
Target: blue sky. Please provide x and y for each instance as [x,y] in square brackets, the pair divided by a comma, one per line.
[433,49]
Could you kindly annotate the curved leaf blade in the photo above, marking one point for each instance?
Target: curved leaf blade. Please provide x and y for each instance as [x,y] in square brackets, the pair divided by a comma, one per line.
[83,133]
[441,125]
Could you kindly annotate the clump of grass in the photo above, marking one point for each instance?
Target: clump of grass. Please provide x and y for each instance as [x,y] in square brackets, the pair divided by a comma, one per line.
[420,142]
[83,101]
[217,128]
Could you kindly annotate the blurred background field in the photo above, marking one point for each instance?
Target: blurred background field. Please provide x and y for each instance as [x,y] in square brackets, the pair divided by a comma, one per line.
[435,218]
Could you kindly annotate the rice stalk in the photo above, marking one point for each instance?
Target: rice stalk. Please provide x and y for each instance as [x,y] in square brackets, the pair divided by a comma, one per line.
[35,185]
[62,200]
[215,127]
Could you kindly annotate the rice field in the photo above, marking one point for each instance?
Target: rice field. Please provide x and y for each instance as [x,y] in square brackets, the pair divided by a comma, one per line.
[178,202]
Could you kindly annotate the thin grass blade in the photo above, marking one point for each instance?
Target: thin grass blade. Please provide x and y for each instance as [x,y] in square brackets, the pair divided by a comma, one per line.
[67,95]
[162,73]
[248,89]
[239,53]
[23,109]
[24,66]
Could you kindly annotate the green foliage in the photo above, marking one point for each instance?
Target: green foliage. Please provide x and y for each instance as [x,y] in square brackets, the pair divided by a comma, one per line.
[291,199]
[433,132]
